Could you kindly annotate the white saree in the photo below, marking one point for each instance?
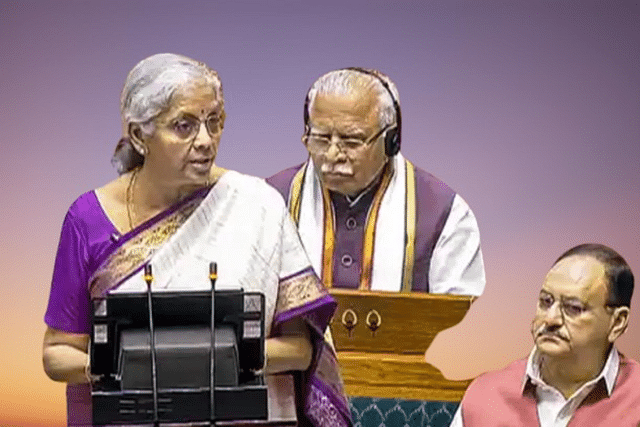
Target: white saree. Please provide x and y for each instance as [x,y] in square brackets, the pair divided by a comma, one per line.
[243,225]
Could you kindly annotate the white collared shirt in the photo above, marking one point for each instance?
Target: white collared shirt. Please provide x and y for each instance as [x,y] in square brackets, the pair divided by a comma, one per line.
[456,265]
[553,409]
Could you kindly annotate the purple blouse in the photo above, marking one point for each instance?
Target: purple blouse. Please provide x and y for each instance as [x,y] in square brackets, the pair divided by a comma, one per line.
[87,236]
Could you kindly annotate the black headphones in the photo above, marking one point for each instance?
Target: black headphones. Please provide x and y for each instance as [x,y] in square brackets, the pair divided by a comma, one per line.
[392,136]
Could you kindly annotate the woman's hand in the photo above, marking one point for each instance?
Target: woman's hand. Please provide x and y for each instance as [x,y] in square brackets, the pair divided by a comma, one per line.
[292,351]
[65,356]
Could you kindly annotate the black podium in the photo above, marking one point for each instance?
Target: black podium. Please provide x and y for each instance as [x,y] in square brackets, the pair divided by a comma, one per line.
[171,381]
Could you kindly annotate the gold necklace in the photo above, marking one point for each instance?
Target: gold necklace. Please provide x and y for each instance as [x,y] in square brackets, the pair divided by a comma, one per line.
[129,196]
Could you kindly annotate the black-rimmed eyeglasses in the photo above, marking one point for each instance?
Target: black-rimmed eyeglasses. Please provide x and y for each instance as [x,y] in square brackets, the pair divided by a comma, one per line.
[345,143]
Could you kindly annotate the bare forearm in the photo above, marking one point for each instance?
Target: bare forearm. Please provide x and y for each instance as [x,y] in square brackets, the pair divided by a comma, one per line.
[65,363]
[288,353]
[64,356]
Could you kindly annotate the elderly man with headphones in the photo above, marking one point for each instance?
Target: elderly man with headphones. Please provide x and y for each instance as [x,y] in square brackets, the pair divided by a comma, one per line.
[368,218]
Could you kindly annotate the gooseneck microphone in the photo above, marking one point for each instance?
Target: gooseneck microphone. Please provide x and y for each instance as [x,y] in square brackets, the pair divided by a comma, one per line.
[213,276]
[148,277]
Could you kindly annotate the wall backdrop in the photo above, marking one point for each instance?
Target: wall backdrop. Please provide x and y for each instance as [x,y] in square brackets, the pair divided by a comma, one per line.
[529,109]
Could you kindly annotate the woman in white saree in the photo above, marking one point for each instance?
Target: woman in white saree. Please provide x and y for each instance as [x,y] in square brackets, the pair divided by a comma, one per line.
[173,208]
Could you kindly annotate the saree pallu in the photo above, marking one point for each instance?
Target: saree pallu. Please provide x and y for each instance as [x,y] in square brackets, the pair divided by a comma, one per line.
[241,224]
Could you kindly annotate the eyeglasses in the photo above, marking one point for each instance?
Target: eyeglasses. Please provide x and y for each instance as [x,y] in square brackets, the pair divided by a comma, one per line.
[187,127]
[569,308]
[346,144]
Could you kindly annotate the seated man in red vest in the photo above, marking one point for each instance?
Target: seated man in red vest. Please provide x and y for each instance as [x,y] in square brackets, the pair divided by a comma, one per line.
[574,376]
[367,217]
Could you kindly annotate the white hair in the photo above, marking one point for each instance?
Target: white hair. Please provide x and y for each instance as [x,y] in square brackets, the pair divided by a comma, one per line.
[346,81]
[148,91]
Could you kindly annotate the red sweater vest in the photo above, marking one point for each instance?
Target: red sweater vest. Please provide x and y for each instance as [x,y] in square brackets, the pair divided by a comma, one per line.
[496,399]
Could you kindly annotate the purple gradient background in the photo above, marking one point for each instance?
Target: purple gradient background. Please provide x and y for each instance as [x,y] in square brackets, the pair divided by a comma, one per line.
[529,109]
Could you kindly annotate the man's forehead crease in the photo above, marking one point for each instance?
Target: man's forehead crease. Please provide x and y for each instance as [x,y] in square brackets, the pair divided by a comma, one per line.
[566,290]
[345,126]
[356,106]
[559,293]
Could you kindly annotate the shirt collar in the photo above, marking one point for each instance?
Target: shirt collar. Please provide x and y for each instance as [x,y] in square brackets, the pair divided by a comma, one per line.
[352,200]
[608,374]
[367,192]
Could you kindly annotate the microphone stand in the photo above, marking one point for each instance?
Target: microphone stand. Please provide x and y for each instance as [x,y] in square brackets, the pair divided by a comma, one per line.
[213,276]
[148,277]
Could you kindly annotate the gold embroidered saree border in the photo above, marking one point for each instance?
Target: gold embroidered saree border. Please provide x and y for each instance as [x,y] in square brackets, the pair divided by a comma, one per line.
[303,296]
[298,290]
[132,254]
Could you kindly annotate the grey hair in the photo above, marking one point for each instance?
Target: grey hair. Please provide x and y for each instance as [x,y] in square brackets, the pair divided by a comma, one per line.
[346,81]
[148,91]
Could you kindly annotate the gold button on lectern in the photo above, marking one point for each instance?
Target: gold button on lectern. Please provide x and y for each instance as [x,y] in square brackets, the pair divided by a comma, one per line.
[381,339]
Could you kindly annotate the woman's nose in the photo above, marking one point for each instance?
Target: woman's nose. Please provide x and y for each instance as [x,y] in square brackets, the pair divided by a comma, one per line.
[203,137]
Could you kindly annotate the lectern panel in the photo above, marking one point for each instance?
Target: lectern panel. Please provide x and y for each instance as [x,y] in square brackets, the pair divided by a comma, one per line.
[381,339]
[390,322]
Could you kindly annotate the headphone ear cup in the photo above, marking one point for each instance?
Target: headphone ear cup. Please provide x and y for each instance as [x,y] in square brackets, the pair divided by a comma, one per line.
[305,113]
[391,143]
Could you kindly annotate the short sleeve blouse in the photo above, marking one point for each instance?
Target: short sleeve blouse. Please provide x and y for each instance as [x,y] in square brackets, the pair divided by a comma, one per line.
[87,237]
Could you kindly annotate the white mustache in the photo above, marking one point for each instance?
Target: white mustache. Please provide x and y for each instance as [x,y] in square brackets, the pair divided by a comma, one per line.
[341,168]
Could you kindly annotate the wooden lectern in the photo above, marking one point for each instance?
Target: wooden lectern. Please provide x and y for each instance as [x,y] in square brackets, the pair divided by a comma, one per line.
[381,339]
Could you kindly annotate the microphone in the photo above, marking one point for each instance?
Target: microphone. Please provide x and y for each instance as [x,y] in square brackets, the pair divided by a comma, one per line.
[213,276]
[148,277]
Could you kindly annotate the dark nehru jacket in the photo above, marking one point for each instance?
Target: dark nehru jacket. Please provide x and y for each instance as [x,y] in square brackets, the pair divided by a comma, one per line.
[434,201]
